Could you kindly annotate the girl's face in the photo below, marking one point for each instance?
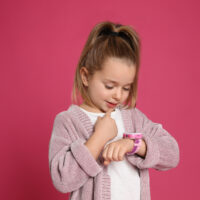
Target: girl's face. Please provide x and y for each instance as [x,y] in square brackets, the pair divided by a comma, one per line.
[110,86]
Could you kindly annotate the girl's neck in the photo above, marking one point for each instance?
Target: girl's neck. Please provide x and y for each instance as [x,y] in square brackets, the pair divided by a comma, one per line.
[90,108]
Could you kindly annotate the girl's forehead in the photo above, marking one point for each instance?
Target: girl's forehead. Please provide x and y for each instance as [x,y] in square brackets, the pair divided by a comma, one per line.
[117,70]
[116,63]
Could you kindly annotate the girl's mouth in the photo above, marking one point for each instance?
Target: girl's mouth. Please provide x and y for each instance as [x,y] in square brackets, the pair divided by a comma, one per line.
[111,105]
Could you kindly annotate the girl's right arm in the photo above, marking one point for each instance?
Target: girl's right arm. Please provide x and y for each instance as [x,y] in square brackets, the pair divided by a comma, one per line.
[70,161]
[105,130]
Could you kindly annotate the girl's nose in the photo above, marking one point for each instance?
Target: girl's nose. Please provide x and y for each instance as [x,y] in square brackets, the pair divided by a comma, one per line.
[118,94]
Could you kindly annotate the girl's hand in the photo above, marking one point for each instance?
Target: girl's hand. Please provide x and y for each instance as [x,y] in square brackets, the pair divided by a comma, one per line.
[106,127]
[115,151]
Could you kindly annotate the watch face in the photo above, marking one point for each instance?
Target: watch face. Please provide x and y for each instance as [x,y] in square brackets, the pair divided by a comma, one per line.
[132,135]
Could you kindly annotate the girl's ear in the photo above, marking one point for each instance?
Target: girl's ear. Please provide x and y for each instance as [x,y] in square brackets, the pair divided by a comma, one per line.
[84,75]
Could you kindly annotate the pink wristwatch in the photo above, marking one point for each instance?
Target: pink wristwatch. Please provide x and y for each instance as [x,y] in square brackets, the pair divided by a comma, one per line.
[137,137]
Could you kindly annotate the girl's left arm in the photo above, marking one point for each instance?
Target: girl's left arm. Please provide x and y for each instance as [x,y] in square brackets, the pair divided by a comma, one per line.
[162,150]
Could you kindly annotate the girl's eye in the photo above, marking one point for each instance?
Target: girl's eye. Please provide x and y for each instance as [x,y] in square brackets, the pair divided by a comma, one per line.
[126,89]
[108,87]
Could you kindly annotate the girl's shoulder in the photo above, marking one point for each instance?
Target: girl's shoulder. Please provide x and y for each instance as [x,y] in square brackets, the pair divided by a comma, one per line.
[133,116]
[65,115]
[133,112]
[72,114]
[138,116]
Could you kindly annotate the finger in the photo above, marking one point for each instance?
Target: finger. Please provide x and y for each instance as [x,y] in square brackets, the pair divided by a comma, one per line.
[108,113]
[98,118]
[104,154]
[106,162]
[121,154]
[115,154]
[107,153]
[110,151]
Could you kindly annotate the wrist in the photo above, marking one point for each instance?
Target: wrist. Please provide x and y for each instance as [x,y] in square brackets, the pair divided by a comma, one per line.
[137,142]
[142,150]
[130,144]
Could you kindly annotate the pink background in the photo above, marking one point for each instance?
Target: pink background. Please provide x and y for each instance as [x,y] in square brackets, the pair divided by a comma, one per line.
[40,45]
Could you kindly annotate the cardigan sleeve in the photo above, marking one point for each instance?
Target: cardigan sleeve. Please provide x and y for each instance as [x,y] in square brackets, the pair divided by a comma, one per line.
[162,149]
[70,163]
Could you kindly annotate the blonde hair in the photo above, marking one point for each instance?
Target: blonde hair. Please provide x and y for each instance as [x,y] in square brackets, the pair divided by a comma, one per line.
[107,39]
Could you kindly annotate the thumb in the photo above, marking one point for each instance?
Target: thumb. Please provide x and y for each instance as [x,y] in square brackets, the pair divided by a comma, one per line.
[106,162]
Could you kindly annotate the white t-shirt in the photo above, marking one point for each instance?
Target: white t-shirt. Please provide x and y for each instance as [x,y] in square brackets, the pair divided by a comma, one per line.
[125,178]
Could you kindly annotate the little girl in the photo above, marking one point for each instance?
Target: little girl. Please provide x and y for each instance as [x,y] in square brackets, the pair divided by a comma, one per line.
[103,147]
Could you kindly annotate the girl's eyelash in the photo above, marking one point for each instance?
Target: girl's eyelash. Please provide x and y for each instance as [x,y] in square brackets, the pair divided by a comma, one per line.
[110,87]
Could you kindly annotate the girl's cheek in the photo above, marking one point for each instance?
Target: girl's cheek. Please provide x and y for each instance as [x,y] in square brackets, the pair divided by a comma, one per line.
[125,97]
[104,92]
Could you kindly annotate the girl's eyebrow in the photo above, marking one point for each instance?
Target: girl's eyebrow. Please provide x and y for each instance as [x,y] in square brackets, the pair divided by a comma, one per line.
[116,82]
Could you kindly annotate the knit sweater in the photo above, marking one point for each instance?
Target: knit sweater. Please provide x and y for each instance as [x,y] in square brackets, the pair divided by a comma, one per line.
[74,170]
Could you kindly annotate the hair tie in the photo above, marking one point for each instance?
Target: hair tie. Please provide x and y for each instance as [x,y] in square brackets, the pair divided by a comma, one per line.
[123,35]
[114,33]
[108,32]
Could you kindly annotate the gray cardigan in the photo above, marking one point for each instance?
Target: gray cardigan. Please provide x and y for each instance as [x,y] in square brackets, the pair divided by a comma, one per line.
[74,170]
